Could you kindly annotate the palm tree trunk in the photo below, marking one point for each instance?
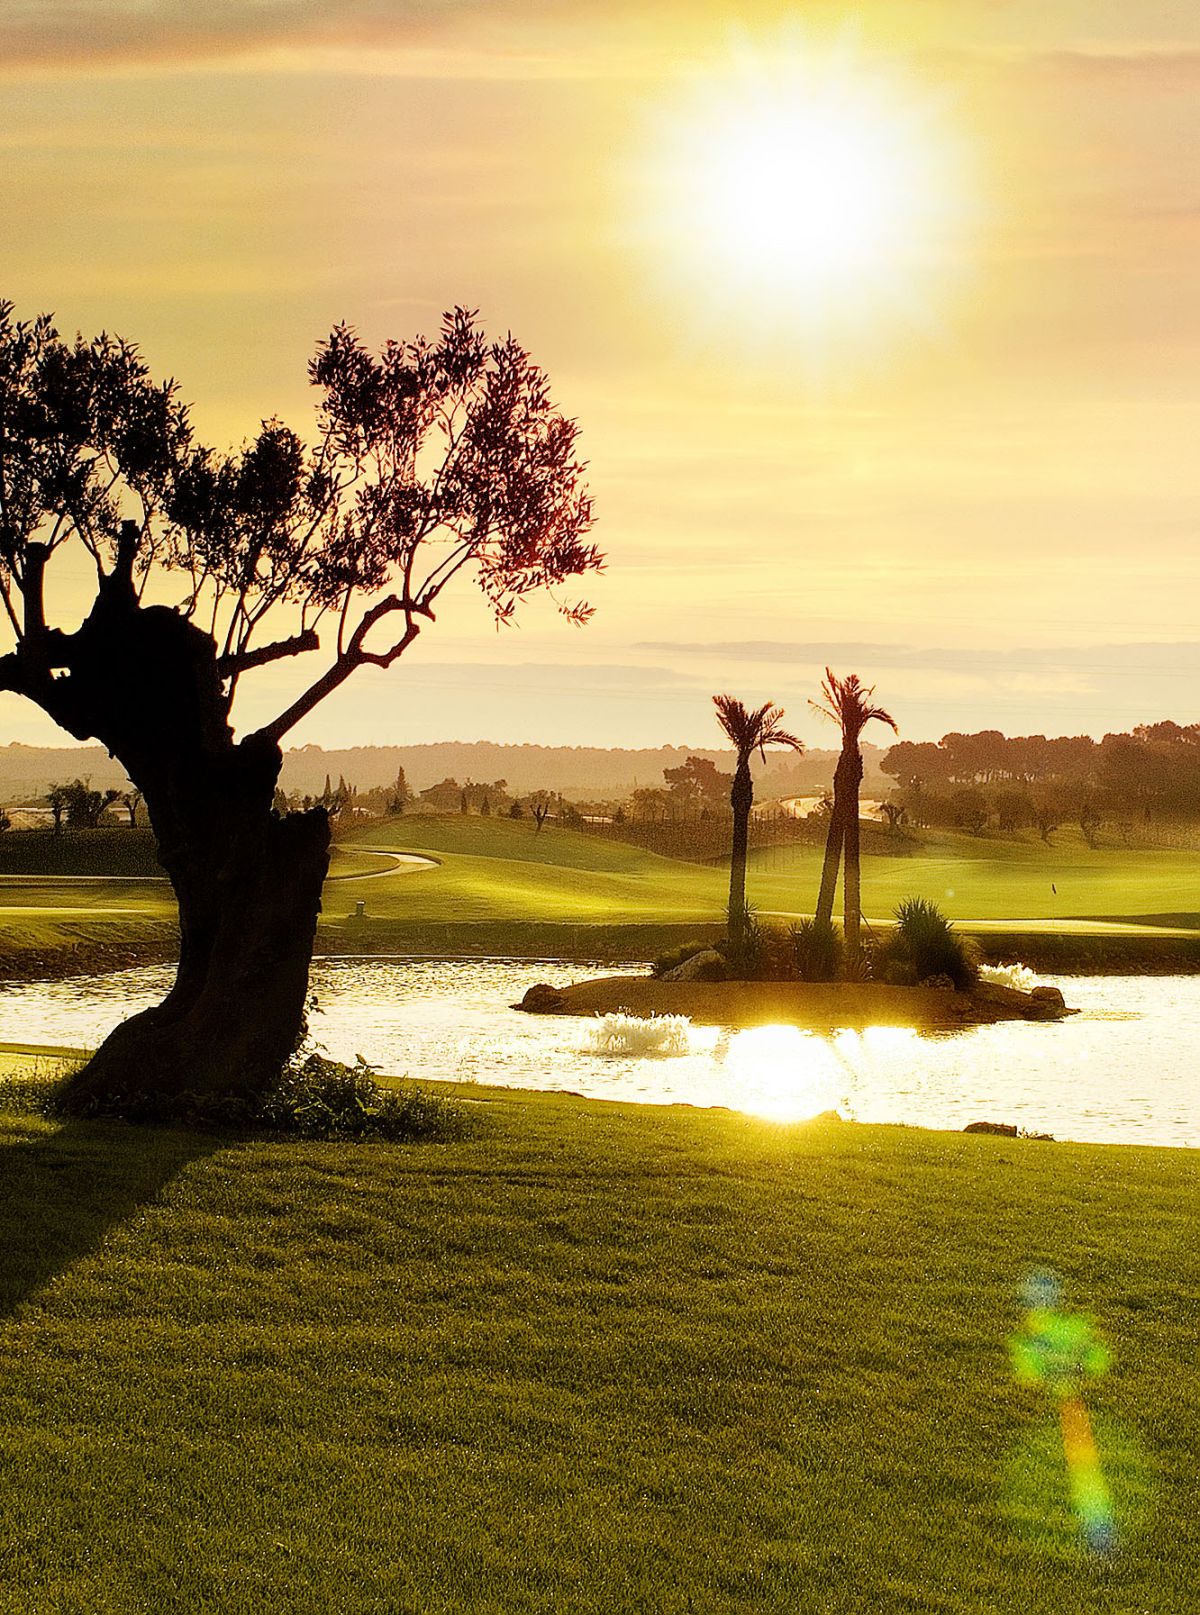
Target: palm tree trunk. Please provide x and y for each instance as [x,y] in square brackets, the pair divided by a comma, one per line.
[829,869]
[741,799]
[834,838]
[852,892]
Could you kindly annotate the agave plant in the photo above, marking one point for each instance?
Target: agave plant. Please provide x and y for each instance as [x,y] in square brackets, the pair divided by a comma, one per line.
[923,943]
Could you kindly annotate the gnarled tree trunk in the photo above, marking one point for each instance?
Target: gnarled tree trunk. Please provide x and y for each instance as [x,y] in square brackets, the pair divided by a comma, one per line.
[147,684]
[249,894]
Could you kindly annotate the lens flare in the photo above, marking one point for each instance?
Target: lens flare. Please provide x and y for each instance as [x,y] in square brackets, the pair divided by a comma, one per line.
[1060,1352]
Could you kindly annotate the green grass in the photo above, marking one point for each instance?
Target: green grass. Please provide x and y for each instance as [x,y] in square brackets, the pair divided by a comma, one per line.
[494,877]
[973,879]
[496,869]
[596,1358]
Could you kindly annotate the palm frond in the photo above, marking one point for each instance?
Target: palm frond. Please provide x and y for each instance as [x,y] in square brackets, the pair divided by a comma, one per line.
[848,704]
[753,730]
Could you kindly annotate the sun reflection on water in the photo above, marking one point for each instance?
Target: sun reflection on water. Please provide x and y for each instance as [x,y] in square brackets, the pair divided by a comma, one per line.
[871,1061]
[781,1072]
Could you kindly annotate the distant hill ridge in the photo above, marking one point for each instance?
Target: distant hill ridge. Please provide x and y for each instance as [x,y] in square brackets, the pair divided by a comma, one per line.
[577,771]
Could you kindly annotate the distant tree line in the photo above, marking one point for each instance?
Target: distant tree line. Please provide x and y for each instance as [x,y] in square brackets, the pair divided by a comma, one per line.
[1011,783]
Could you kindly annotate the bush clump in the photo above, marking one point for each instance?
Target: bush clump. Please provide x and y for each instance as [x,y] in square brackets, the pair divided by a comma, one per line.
[924,946]
[817,950]
[316,1097]
[312,1097]
[30,1092]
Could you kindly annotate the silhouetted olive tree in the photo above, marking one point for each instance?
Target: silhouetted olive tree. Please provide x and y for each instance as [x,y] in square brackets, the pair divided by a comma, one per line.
[131,801]
[86,807]
[431,457]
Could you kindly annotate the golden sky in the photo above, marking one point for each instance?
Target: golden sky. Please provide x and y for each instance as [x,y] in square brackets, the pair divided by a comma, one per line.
[979,490]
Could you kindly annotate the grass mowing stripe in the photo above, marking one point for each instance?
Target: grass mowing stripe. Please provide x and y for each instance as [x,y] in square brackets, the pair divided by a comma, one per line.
[594,1358]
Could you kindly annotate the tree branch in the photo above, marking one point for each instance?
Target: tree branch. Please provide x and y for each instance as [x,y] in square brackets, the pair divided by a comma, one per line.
[120,579]
[11,674]
[33,590]
[242,661]
[353,656]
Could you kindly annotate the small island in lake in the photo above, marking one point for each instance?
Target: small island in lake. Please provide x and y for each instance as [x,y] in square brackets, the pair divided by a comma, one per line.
[817,1006]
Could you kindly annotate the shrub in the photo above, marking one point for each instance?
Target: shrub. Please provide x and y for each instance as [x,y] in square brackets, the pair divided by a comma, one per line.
[859,966]
[313,1097]
[767,953]
[817,950]
[747,960]
[923,944]
[31,1092]
[413,1115]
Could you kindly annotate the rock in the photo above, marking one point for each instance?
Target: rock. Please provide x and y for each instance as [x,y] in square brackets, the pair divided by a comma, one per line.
[542,999]
[1048,995]
[1000,1129]
[1045,1004]
[942,982]
[707,965]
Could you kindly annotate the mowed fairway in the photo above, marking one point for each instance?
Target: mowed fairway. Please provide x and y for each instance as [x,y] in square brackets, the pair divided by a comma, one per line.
[45,913]
[497,869]
[594,1358]
[973,878]
[488,873]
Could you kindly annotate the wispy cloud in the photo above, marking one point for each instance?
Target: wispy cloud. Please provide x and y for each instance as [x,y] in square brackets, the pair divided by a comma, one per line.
[93,32]
[1152,66]
[1164,659]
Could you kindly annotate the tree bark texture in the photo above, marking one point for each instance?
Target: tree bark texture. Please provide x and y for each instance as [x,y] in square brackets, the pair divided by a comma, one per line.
[835,837]
[145,682]
[741,800]
[852,878]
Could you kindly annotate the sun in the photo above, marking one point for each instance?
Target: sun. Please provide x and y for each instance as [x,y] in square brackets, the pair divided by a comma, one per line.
[807,189]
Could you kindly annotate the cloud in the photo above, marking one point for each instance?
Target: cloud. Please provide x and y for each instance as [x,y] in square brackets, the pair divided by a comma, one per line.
[1159,659]
[418,37]
[96,32]
[1153,67]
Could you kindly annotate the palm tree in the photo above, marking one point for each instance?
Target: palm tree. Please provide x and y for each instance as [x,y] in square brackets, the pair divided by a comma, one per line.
[848,702]
[748,732]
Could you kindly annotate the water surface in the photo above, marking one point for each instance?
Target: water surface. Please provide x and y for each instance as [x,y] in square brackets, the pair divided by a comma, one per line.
[1123,1070]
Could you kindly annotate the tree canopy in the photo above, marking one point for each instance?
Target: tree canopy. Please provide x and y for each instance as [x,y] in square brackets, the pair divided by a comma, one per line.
[429,457]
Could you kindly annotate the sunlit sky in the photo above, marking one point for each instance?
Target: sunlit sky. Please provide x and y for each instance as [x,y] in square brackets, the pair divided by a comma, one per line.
[957,455]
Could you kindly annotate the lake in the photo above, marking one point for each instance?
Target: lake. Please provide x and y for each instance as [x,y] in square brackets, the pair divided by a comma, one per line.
[1124,1070]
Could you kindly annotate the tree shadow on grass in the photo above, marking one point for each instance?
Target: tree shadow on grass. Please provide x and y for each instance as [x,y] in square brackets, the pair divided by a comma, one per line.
[62,1192]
